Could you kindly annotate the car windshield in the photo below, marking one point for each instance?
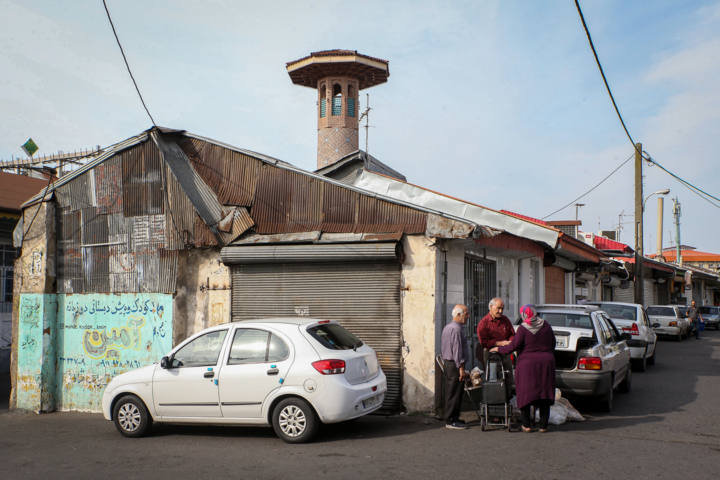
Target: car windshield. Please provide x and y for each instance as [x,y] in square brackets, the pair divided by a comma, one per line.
[334,337]
[567,320]
[661,311]
[619,312]
[708,310]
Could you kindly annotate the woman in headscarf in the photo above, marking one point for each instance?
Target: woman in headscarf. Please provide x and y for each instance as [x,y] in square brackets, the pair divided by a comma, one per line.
[535,369]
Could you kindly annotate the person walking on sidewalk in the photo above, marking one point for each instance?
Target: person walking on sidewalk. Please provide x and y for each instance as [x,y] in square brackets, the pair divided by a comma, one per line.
[694,314]
[454,352]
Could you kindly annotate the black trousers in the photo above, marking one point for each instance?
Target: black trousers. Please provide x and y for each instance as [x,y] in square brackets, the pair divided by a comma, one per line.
[541,404]
[453,391]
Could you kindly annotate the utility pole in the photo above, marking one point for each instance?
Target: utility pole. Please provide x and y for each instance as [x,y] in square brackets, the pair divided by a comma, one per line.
[577,206]
[661,206]
[677,215]
[639,257]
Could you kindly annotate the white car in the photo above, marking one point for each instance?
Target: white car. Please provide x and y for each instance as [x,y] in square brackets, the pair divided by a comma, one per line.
[291,373]
[631,318]
[671,320]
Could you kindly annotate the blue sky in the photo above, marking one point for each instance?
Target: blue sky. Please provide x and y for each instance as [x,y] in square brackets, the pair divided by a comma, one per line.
[499,103]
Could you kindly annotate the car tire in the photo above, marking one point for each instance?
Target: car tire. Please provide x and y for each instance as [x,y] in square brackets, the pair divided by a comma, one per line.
[131,418]
[678,337]
[606,402]
[295,421]
[626,385]
[641,364]
[651,359]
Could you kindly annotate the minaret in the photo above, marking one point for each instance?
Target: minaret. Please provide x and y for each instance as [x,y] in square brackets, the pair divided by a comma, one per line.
[338,76]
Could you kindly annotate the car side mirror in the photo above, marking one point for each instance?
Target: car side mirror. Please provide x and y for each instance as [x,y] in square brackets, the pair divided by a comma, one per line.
[656,325]
[625,336]
[164,362]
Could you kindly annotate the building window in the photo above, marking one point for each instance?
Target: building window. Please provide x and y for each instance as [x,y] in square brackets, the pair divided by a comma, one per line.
[8,253]
[351,101]
[323,100]
[337,100]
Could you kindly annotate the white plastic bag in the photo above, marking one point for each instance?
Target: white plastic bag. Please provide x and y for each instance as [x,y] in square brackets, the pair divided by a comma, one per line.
[558,414]
[572,414]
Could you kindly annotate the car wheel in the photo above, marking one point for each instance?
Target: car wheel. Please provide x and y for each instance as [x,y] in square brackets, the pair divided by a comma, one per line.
[295,421]
[482,424]
[606,402]
[626,385]
[651,359]
[131,417]
[641,364]
[678,337]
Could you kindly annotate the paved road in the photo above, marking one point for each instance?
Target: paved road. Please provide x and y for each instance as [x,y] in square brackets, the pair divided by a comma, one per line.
[666,428]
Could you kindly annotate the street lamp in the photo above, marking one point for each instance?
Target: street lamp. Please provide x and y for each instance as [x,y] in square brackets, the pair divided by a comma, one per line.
[659,192]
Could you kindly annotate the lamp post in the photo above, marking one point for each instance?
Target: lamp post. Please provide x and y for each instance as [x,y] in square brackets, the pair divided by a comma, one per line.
[659,192]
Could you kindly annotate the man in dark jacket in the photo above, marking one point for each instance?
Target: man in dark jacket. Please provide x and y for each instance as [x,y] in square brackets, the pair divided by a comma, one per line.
[694,314]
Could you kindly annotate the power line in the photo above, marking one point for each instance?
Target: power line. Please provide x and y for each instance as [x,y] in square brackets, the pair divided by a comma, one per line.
[581,196]
[597,60]
[127,65]
[654,162]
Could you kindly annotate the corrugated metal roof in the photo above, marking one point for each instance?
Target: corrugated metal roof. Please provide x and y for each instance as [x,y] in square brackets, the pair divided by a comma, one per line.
[364,160]
[602,243]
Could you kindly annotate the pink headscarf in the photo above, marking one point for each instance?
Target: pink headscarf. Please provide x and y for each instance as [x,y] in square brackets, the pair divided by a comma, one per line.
[530,319]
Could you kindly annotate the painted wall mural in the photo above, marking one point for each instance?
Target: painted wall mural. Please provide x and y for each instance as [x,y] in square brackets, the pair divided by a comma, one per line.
[103,335]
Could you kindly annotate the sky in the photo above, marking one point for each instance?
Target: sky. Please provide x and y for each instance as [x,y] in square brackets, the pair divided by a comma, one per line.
[496,102]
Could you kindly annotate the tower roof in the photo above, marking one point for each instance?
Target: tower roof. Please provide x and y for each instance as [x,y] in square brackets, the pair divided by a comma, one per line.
[369,71]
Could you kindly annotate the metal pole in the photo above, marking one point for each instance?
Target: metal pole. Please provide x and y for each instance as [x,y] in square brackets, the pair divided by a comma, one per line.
[639,283]
[677,213]
[661,205]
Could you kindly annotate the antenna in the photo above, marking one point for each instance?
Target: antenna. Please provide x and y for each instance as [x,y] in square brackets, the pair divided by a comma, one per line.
[366,116]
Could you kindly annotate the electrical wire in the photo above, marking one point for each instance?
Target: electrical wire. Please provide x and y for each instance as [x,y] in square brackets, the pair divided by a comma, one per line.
[601,182]
[688,184]
[127,64]
[607,86]
[25,232]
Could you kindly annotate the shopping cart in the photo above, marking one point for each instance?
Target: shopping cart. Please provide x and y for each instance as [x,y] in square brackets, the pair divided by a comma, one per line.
[496,409]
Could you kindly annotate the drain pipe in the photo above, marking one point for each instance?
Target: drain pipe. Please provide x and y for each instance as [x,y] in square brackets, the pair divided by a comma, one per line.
[444,249]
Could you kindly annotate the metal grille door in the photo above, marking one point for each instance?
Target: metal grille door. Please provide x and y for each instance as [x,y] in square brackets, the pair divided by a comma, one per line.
[479,290]
[364,297]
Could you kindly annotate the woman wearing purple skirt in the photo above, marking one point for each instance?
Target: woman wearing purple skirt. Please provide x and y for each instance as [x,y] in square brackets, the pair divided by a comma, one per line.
[535,369]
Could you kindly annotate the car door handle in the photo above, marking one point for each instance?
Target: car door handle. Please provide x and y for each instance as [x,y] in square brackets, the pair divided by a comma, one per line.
[209,374]
[273,371]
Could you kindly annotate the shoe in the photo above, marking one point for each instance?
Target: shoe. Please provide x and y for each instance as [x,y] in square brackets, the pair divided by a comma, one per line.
[526,430]
[456,425]
[461,421]
[543,430]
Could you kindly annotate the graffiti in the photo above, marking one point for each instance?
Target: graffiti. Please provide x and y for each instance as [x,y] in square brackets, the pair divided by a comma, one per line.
[28,343]
[159,332]
[98,306]
[36,264]
[30,311]
[97,343]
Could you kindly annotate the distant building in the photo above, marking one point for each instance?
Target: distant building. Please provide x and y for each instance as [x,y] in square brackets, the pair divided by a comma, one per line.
[691,256]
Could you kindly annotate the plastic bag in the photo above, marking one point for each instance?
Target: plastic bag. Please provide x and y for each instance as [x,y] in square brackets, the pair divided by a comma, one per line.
[572,414]
[558,414]
[476,377]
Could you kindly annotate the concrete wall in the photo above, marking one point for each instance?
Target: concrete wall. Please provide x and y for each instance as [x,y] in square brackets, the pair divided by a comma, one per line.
[203,297]
[418,314]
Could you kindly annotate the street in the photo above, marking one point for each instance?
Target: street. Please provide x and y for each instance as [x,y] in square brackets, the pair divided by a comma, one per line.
[665,428]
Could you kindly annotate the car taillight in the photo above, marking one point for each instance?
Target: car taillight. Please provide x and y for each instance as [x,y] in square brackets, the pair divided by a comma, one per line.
[329,367]
[322,322]
[590,363]
[672,324]
[632,330]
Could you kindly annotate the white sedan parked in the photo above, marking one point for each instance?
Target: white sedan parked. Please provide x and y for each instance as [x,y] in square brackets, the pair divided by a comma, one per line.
[291,373]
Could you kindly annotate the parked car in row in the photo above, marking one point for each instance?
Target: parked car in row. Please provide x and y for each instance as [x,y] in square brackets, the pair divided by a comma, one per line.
[631,318]
[592,358]
[671,321]
[711,315]
[291,373]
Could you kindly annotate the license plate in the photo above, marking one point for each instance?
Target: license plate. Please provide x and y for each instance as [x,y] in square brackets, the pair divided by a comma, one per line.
[372,401]
[561,342]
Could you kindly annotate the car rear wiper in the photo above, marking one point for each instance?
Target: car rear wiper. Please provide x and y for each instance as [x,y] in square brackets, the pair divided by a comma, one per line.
[356,345]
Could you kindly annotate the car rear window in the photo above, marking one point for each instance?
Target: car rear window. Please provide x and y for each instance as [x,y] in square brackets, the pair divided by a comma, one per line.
[619,312]
[567,320]
[334,337]
[661,311]
[708,310]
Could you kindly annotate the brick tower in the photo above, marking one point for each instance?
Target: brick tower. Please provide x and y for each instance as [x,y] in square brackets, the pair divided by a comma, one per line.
[338,76]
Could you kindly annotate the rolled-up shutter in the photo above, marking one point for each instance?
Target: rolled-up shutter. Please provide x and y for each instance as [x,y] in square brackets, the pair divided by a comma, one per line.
[363,296]
[625,294]
[649,292]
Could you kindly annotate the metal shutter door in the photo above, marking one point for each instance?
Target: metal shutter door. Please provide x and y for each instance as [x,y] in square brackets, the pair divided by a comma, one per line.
[625,295]
[649,292]
[363,297]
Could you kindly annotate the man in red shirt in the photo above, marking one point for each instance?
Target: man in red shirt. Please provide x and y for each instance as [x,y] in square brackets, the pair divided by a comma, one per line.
[495,330]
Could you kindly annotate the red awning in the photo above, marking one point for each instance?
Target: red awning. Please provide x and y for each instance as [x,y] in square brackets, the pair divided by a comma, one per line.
[602,243]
